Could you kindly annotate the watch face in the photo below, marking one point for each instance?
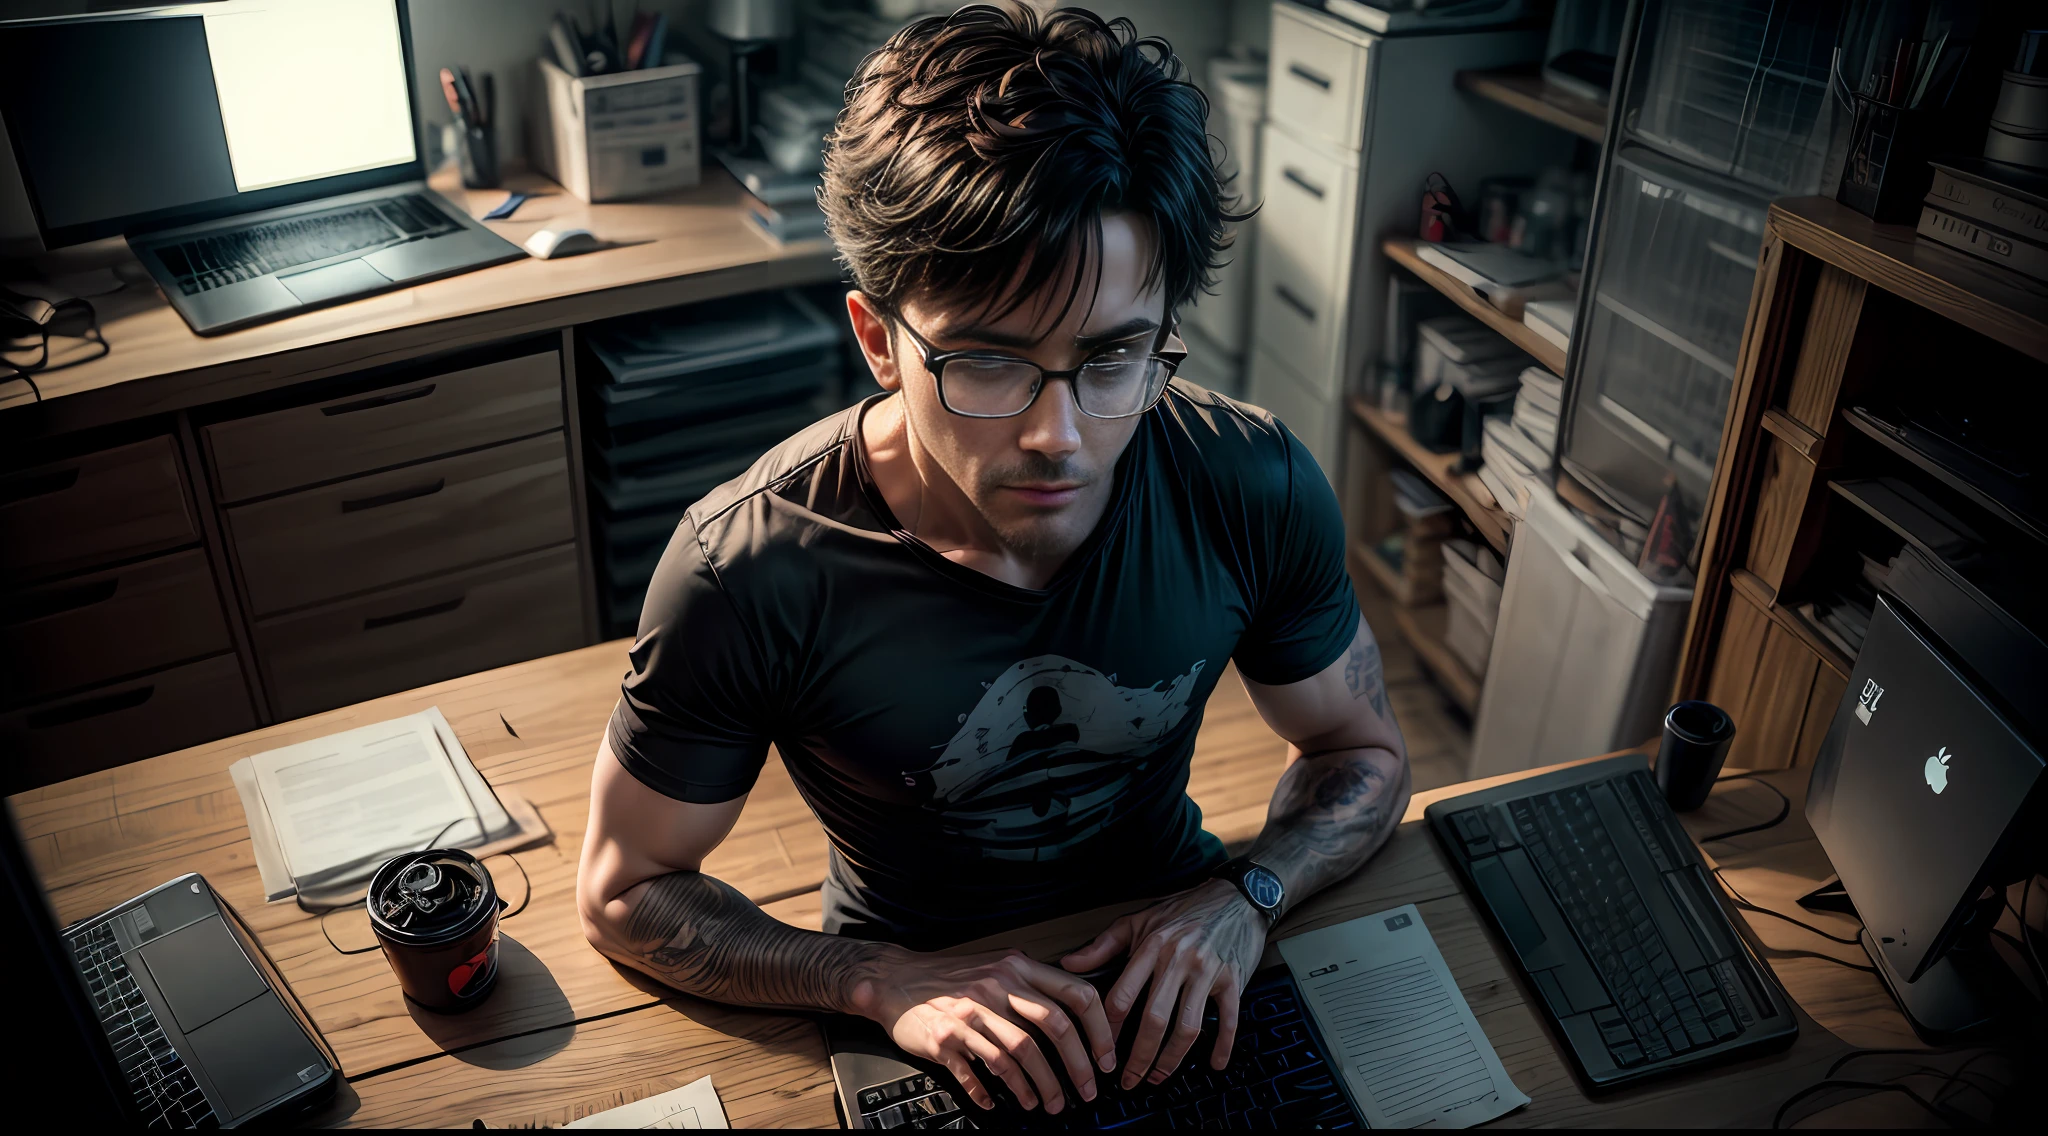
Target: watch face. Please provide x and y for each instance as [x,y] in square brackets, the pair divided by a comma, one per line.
[1263,887]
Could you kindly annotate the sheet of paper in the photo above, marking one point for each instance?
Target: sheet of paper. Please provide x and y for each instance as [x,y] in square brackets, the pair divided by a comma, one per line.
[349,800]
[695,1105]
[277,879]
[1397,1025]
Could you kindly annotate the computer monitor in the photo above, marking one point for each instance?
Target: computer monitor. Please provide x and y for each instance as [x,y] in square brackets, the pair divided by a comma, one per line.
[139,120]
[1926,795]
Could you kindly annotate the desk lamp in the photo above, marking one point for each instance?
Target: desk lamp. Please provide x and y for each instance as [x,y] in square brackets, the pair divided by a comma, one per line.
[748,26]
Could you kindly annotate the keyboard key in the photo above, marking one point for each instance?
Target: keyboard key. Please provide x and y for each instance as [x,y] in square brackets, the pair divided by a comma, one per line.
[1701,981]
[1723,1027]
[1675,1037]
[1627,1055]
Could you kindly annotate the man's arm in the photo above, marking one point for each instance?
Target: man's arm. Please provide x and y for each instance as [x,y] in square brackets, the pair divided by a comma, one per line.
[1345,787]
[646,902]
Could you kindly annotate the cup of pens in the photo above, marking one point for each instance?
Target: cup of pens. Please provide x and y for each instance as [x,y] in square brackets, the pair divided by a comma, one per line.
[1898,116]
[474,106]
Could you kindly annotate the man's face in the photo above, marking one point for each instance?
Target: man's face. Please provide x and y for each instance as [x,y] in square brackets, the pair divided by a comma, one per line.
[1042,478]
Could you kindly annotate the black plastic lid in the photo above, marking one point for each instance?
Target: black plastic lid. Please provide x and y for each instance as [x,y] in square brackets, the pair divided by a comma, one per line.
[431,897]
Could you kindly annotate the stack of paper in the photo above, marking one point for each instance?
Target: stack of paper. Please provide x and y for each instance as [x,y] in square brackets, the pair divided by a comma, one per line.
[1517,449]
[695,1105]
[324,814]
[1551,319]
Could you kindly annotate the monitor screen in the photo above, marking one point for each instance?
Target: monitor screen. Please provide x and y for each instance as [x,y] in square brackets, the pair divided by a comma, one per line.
[199,110]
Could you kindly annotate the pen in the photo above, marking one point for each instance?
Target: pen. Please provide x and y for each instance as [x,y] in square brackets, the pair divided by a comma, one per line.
[489,107]
[454,96]
[467,93]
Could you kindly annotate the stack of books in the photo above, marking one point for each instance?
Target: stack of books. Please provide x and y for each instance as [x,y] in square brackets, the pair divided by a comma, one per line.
[1516,450]
[1991,210]
[783,206]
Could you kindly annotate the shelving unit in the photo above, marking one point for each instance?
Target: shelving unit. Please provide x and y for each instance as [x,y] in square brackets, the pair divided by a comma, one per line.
[1423,627]
[1526,91]
[1401,250]
[1463,489]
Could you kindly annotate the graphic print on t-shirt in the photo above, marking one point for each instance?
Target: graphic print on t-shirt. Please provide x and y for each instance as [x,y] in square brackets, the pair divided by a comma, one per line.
[1041,761]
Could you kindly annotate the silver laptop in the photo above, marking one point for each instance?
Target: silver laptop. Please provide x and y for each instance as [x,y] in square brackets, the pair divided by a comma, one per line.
[260,158]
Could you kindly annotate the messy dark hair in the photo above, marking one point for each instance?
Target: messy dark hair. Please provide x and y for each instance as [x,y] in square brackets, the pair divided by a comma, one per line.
[993,139]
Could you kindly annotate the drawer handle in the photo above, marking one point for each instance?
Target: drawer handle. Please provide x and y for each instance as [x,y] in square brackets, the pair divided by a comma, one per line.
[375,401]
[91,708]
[442,608]
[395,496]
[1307,186]
[1308,76]
[1295,302]
[56,601]
[38,485]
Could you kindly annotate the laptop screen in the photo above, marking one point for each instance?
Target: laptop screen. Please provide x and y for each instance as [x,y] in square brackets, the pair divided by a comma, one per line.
[201,110]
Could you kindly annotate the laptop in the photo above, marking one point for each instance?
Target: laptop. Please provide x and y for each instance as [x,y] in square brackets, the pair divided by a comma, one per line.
[1637,964]
[1277,1077]
[165,1004]
[261,159]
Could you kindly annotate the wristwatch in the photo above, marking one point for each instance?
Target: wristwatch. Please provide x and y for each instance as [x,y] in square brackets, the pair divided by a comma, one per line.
[1258,883]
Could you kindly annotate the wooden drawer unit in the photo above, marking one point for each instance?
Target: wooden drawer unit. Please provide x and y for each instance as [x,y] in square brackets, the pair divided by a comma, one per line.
[415,634]
[93,509]
[112,725]
[371,532]
[304,445]
[122,621]
[1318,78]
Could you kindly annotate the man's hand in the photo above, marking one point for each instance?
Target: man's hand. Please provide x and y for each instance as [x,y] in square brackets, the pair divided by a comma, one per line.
[958,1010]
[1196,947]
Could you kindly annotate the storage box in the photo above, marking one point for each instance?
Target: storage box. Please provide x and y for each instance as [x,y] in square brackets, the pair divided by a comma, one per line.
[613,137]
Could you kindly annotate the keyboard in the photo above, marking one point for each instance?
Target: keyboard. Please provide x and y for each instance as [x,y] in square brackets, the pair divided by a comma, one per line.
[164,1088]
[1611,915]
[1277,1079]
[209,262]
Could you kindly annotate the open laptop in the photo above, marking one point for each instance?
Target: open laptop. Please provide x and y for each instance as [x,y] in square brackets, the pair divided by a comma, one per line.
[261,158]
[168,999]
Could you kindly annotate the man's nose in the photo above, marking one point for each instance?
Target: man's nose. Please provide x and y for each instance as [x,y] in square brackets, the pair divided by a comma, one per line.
[1053,424]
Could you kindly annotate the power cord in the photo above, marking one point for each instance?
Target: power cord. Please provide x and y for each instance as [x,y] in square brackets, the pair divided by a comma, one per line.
[1784,808]
[1744,903]
[1959,1078]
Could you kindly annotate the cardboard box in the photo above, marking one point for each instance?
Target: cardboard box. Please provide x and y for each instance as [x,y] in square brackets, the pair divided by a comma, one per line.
[614,137]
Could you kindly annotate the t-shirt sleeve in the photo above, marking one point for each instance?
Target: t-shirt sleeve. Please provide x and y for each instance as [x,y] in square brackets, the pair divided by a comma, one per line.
[1304,611]
[690,720]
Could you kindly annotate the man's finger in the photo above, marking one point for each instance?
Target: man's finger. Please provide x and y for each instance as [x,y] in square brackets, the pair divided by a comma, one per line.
[1227,996]
[1113,941]
[1024,1052]
[1085,1006]
[963,1072]
[1059,1029]
[1187,1023]
[1123,993]
[1154,1022]
[996,1059]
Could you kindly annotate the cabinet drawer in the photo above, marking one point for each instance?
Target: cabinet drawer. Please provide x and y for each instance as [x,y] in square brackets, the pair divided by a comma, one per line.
[1314,417]
[92,510]
[122,722]
[371,532]
[122,621]
[415,634]
[284,449]
[1318,80]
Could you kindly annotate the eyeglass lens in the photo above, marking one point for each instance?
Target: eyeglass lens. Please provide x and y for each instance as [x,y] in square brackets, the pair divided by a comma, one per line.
[995,388]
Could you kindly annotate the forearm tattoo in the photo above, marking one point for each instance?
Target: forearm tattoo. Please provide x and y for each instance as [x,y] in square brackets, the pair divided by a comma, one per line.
[1332,811]
[703,937]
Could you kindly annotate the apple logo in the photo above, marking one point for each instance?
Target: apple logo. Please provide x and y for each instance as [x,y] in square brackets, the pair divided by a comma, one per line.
[1937,771]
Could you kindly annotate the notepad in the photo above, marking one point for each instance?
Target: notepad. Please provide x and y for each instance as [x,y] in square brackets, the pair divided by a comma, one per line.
[1397,1026]
[695,1105]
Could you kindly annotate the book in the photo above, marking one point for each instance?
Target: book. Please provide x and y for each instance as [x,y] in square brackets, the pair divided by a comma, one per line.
[1513,439]
[1545,383]
[2003,196]
[1487,267]
[2017,253]
[1551,319]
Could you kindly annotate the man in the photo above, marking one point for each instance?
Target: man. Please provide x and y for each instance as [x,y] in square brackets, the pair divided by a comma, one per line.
[979,615]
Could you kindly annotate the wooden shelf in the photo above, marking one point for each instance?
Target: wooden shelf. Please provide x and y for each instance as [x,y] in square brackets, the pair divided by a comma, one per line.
[1527,92]
[1424,629]
[1984,297]
[1401,250]
[1795,624]
[1462,488]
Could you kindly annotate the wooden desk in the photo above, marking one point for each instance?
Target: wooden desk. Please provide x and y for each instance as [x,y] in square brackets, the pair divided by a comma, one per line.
[677,248]
[568,1033]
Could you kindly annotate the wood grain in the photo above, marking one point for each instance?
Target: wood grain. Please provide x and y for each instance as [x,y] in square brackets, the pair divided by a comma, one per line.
[1392,429]
[1821,703]
[673,249]
[1791,621]
[1528,92]
[1767,732]
[1743,629]
[1828,336]
[1779,532]
[1788,430]
[1402,251]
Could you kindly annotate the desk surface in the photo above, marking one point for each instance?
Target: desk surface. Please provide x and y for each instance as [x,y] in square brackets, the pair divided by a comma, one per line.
[676,248]
[568,1033]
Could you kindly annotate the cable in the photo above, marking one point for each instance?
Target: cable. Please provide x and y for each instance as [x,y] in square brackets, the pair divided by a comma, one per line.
[1744,903]
[1784,809]
[24,376]
[1950,1115]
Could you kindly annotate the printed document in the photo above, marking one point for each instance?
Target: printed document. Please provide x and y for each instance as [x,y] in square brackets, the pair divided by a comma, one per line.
[695,1105]
[1397,1025]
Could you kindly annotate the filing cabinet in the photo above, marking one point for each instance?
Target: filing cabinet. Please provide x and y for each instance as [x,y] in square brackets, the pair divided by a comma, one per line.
[155,713]
[92,509]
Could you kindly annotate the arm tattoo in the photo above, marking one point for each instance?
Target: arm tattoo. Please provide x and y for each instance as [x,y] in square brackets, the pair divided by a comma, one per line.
[703,937]
[1363,673]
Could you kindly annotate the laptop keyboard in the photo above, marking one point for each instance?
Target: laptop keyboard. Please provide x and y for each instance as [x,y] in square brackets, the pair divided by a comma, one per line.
[209,262]
[165,1090]
[1660,1010]
[1277,1079]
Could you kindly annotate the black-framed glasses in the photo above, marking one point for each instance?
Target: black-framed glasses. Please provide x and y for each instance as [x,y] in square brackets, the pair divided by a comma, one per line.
[1118,382]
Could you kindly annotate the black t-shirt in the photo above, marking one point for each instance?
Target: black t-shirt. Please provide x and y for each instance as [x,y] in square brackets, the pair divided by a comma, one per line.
[982,755]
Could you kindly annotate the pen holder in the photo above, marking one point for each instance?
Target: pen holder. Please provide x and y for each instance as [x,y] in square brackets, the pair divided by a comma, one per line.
[1887,174]
[478,156]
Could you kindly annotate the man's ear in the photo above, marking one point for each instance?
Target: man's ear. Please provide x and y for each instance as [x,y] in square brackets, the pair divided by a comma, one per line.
[871,328]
